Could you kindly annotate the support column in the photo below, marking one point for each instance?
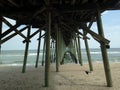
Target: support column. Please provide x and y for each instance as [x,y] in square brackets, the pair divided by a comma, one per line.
[0,31]
[38,51]
[26,51]
[76,45]
[88,52]
[104,52]
[80,55]
[47,61]
[54,51]
[75,49]
[43,53]
[51,56]
[57,48]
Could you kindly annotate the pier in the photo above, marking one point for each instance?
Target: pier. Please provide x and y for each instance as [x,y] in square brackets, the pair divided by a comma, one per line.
[65,23]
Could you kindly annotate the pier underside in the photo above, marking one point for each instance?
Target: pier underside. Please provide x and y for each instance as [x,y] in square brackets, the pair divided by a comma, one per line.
[64,22]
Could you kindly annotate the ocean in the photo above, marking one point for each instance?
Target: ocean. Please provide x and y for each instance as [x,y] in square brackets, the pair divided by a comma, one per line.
[15,57]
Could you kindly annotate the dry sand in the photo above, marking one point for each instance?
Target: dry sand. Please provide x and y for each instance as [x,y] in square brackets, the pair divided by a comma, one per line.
[70,77]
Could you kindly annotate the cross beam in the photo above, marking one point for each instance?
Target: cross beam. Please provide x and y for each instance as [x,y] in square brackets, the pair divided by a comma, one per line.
[98,37]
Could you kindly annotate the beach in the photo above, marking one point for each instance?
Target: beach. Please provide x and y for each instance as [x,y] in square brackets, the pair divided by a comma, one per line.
[70,77]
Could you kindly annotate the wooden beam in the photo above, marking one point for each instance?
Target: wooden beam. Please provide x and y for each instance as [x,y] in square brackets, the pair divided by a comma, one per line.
[12,35]
[39,11]
[57,48]
[70,29]
[22,35]
[10,25]
[6,22]
[80,55]
[82,35]
[9,30]
[42,36]
[47,61]
[43,56]
[0,31]
[84,1]
[76,47]
[90,24]
[73,2]
[13,3]
[47,2]
[104,51]
[88,53]
[98,37]
[26,51]
[32,35]
[38,51]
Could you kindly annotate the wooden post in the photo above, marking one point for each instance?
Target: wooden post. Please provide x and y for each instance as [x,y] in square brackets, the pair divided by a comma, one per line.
[57,48]
[0,31]
[104,52]
[47,61]
[26,51]
[80,55]
[54,51]
[75,48]
[88,52]
[38,51]
[51,56]
[76,45]
[43,52]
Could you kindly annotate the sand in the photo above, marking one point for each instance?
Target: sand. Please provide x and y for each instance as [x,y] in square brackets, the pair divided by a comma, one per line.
[70,77]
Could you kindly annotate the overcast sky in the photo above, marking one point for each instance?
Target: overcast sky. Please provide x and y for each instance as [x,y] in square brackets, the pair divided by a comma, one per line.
[111,25]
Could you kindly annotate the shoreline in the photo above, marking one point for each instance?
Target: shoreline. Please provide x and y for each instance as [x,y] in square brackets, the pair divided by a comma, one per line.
[33,64]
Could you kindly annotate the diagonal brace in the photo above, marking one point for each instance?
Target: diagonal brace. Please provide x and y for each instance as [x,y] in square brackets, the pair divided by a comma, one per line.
[10,25]
[94,35]
[12,35]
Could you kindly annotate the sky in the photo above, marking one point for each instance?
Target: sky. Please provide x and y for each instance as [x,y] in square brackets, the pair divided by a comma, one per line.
[111,26]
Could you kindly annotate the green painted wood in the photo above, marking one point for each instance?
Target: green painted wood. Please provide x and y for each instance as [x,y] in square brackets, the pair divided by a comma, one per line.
[26,51]
[88,53]
[62,48]
[47,59]
[38,51]
[104,51]
[72,50]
